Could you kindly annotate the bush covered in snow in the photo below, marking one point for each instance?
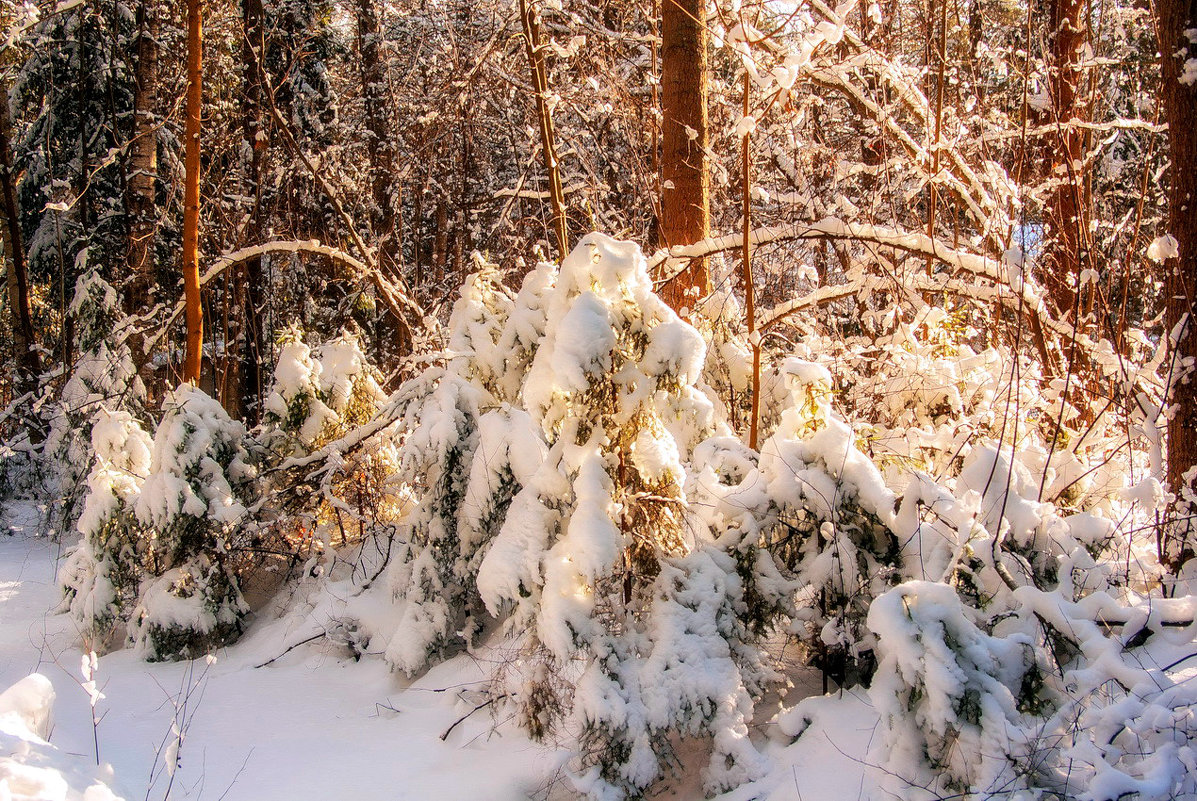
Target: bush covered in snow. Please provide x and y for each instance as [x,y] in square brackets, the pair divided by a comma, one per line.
[102,575]
[191,502]
[156,525]
[563,474]
[102,379]
[550,460]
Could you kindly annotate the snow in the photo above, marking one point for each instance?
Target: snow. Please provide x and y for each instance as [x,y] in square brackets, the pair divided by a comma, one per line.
[578,550]
[313,724]
[1163,247]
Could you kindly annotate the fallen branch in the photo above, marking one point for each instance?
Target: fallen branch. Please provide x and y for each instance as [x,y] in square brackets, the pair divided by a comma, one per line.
[291,648]
[462,719]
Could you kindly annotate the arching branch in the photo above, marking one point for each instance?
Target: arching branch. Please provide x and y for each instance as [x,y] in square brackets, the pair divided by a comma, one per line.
[398,303]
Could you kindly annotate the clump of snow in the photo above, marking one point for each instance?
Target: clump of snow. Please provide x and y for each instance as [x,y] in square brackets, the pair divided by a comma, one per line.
[1163,247]
[29,704]
[30,768]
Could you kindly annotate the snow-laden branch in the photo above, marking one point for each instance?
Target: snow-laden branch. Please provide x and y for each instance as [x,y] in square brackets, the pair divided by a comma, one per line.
[955,173]
[398,302]
[1116,124]
[674,259]
[1005,285]
[959,178]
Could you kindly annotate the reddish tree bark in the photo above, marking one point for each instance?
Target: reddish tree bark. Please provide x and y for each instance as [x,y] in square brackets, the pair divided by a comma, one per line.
[1173,19]
[378,130]
[534,45]
[1068,213]
[253,129]
[191,196]
[685,177]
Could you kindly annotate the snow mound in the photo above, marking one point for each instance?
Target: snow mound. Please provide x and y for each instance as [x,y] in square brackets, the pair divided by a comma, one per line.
[30,768]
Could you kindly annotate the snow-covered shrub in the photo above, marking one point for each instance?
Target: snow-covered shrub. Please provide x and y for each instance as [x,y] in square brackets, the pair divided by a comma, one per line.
[103,378]
[726,489]
[1039,701]
[833,522]
[318,393]
[465,452]
[599,562]
[191,502]
[949,696]
[429,571]
[102,573]
[549,455]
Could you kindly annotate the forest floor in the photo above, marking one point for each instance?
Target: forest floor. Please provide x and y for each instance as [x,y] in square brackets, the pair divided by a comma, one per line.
[314,723]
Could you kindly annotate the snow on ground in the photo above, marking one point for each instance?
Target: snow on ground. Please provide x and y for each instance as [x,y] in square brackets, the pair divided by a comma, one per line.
[313,723]
[310,725]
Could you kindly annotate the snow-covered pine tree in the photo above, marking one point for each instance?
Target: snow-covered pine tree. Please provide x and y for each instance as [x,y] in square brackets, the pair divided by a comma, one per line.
[318,393]
[191,503]
[104,379]
[457,458]
[833,526]
[950,696]
[599,563]
[73,103]
[102,574]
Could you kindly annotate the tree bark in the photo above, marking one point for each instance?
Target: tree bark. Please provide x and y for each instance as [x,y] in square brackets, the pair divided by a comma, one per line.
[1173,19]
[754,338]
[685,177]
[140,191]
[1067,212]
[24,341]
[440,240]
[191,196]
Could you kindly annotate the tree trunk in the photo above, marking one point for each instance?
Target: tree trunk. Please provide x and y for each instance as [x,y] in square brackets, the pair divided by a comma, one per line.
[1067,215]
[685,178]
[1173,19]
[378,128]
[140,191]
[440,240]
[191,196]
[29,363]
[534,46]
[256,141]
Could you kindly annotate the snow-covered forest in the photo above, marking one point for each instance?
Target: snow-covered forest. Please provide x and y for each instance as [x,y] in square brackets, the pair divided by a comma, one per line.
[598,399]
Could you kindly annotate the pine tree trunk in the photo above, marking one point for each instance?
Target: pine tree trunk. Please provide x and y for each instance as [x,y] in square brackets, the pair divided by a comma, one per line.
[191,196]
[685,178]
[1173,18]
[140,200]
[1068,220]
[24,341]
[254,133]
